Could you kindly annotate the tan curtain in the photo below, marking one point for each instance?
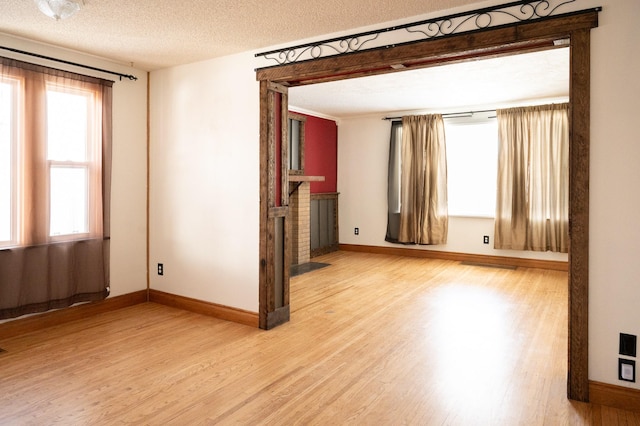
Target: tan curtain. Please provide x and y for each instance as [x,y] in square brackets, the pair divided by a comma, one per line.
[423,209]
[532,207]
[40,272]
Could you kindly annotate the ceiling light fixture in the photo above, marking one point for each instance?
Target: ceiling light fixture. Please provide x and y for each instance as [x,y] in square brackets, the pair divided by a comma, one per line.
[58,9]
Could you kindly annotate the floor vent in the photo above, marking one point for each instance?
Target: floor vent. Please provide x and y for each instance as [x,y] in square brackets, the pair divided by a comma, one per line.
[490,265]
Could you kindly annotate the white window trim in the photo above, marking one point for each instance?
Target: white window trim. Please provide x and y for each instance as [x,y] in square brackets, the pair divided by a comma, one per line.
[15,149]
[89,164]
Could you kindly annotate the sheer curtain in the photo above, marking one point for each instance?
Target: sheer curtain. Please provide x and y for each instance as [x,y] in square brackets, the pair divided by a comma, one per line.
[38,270]
[423,217]
[532,208]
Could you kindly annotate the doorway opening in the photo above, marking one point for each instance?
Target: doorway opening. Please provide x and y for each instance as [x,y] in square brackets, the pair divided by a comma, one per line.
[519,37]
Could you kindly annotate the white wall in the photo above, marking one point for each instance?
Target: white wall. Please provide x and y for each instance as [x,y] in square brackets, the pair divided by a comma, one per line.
[204,182]
[128,198]
[614,231]
[129,186]
[204,190]
[363,158]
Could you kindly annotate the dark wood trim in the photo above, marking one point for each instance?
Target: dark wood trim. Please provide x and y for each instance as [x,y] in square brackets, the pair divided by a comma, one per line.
[303,122]
[462,257]
[277,317]
[297,116]
[614,396]
[263,281]
[510,39]
[579,95]
[284,184]
[288,255]
[222,312]
[491,42]
[278,212]
[270,212]
[37,322]
[284,148]
[271,267]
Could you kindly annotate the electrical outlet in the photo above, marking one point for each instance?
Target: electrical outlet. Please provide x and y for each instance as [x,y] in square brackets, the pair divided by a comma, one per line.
[627,344]
[485,239]
[626,370]
[160,269]
[356,231]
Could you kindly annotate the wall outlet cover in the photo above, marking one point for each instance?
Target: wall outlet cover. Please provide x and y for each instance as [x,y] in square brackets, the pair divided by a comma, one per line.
[626,370]
[628,343]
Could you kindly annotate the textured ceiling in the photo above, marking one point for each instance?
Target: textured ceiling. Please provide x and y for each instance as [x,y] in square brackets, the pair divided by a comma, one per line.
[484,84]
[154,34]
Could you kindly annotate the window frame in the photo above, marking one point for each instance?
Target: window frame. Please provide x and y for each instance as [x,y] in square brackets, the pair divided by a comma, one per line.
[15,189]
[19,234]
[89,163]
[301,119]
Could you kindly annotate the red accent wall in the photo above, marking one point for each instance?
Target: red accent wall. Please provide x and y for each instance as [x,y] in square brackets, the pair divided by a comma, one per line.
[321,153]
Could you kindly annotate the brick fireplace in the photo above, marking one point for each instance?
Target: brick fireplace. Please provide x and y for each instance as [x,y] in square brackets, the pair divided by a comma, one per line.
[300,211]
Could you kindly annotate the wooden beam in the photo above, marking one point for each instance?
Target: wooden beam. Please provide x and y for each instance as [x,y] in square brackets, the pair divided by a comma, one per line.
[578,384]
[376,61]
[264,204]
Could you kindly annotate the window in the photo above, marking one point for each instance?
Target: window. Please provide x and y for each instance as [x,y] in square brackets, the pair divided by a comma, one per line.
[55,163]
[8,145]
[472,162]
[296,143]
[50,159]
[69,154]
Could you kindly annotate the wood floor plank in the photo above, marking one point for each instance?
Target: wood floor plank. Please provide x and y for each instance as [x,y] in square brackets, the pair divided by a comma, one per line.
[373,339]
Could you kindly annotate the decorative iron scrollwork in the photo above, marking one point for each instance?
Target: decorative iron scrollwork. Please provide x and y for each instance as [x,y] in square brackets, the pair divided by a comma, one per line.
[466,22]
[485,18]
[317,50]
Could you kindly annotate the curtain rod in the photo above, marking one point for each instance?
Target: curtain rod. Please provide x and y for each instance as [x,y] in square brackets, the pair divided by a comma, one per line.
[36,55]
[449,115]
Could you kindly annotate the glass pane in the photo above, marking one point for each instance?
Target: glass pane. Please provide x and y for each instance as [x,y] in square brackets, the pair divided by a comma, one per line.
[6,100]
[472,164]
[67,115]
[68,201]
[294,144]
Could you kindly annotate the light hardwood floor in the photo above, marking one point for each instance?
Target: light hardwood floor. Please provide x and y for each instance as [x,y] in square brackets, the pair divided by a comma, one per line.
[373,339]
